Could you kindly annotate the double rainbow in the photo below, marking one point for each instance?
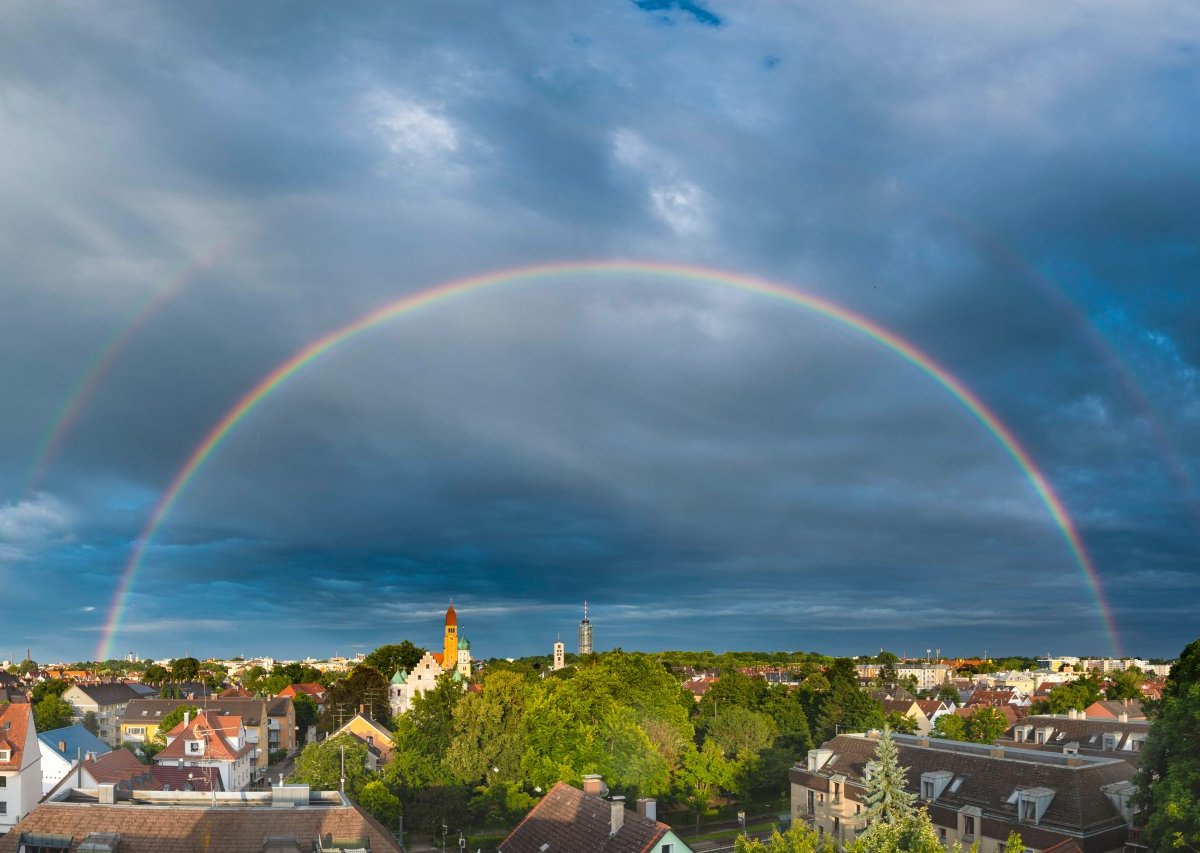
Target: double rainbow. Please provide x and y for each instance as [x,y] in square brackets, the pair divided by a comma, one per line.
[534,274]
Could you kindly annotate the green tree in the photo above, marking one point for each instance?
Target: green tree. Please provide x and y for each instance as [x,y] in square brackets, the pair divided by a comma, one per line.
[380,803]
[888,678]
[52,712]
[900,723]
[172,719]
[91,722]
[320,765]
[364,687]
[1126,685]
[844,707]
[423,736]
[395,657]
[53,687]
[986,724]
[703,773]
[487,738]
[739,730]
[950,726]
[800,838]
[948,693]
[887,799]
[1071,696]
[1168,778]
[155,675]
[784,707]
[185,669]
[306,714]
[501,804]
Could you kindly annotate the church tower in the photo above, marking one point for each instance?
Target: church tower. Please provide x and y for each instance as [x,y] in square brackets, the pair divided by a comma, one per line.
[585,633]
[450,647]
[560,656]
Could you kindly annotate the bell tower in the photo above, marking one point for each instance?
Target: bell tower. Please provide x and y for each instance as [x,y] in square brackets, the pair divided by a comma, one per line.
[450,642]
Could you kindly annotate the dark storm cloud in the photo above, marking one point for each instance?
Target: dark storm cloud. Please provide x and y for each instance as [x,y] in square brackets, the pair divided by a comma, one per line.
[1009,188]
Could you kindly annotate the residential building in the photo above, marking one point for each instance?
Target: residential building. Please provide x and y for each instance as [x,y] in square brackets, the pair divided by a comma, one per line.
[61,749]
[281,724]
[106,701]
[974,792]
[316,692]
[569,819]
[286,819]
[378,739]
[210,740]
[139,723]
[1115,709]
[1073,733]
[20,764]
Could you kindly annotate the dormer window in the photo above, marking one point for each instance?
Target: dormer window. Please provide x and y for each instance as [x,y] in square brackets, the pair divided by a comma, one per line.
[1111,740]
[195,747]
[5,755]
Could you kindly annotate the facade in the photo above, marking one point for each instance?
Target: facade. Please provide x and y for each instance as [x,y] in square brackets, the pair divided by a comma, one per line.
[974,792]
[560,656]
[585,633]
[106,701]
[455,657]
[281,724]
[139,723]
[378,739]
[20,764]
[210,741]
[570,819]
[61,749]
[286,819]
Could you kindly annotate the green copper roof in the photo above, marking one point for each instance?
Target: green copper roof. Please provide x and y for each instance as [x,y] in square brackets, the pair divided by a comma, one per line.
[399,678]
[464,643]
[457,676]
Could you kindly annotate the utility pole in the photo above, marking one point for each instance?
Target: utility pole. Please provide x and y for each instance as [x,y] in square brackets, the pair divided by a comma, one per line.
[342,787]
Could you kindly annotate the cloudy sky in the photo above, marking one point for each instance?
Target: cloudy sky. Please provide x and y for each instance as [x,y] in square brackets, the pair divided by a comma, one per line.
[190,194]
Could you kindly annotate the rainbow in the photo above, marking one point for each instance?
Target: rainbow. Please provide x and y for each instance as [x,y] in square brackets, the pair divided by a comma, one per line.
[92,378]
[532,274]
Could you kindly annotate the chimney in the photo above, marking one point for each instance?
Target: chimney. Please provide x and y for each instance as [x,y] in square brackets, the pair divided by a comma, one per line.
[618,814]
[1123,717]
[647,807]
[187,718]
[594,784]
[996,752]
[107,793]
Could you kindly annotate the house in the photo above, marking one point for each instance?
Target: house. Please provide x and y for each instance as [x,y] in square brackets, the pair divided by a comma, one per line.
[314,691]
[139,723]
[699,686]
[569,819]
[910,708]
[281,724]
[1074,733]
[210,740]
[286,819]
[20,764]
[378,739]
[974,792]
[62,748]
[106,701]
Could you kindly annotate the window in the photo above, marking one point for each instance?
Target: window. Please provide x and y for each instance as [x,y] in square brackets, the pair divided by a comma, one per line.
[1029,811]
[3,781]
[927,790]
[5,755]
[667,848]
[968,826]
[955,785]
[3,807]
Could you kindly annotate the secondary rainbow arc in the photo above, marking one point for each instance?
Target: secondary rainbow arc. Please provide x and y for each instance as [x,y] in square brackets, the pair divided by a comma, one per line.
[677,272]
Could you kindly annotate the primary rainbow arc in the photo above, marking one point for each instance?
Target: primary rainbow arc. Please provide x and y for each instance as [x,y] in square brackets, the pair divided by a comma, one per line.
[532,274]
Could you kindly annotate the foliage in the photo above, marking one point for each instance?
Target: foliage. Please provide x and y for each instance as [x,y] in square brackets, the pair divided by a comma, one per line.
[435,807]
[986,724]
[501,804]
[173,719]
[901,723]
[702,774]
[1168,780]
[783,706]
[155,675]
[801,838]
[53,687]
[319,765]
[887,799]
[91,722]
[306,714]
[948,693]
[950,726]
[888,678]
[738,730]
[1071,696]
[380,803]
[52,712]
[488,731]
[1126,685]
[389,659]
[423,737]
[364,687]
[185,669]
[843,707]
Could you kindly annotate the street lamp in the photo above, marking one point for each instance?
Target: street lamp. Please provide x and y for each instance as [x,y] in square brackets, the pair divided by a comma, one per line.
[462,841]
[445,829]
[742,821]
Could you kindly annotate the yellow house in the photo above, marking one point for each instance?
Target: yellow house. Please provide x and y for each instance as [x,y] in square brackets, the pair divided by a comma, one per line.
[378,739]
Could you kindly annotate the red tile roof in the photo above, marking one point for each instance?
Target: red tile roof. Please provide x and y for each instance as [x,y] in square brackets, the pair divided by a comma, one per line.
[214,732]
[316,691]
[568,819]
[120,767]
[15,721]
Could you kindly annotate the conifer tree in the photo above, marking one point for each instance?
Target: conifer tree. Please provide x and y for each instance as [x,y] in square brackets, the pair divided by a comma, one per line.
[887,800]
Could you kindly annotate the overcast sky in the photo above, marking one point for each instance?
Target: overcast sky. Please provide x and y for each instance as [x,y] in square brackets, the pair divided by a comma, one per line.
[190,193]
